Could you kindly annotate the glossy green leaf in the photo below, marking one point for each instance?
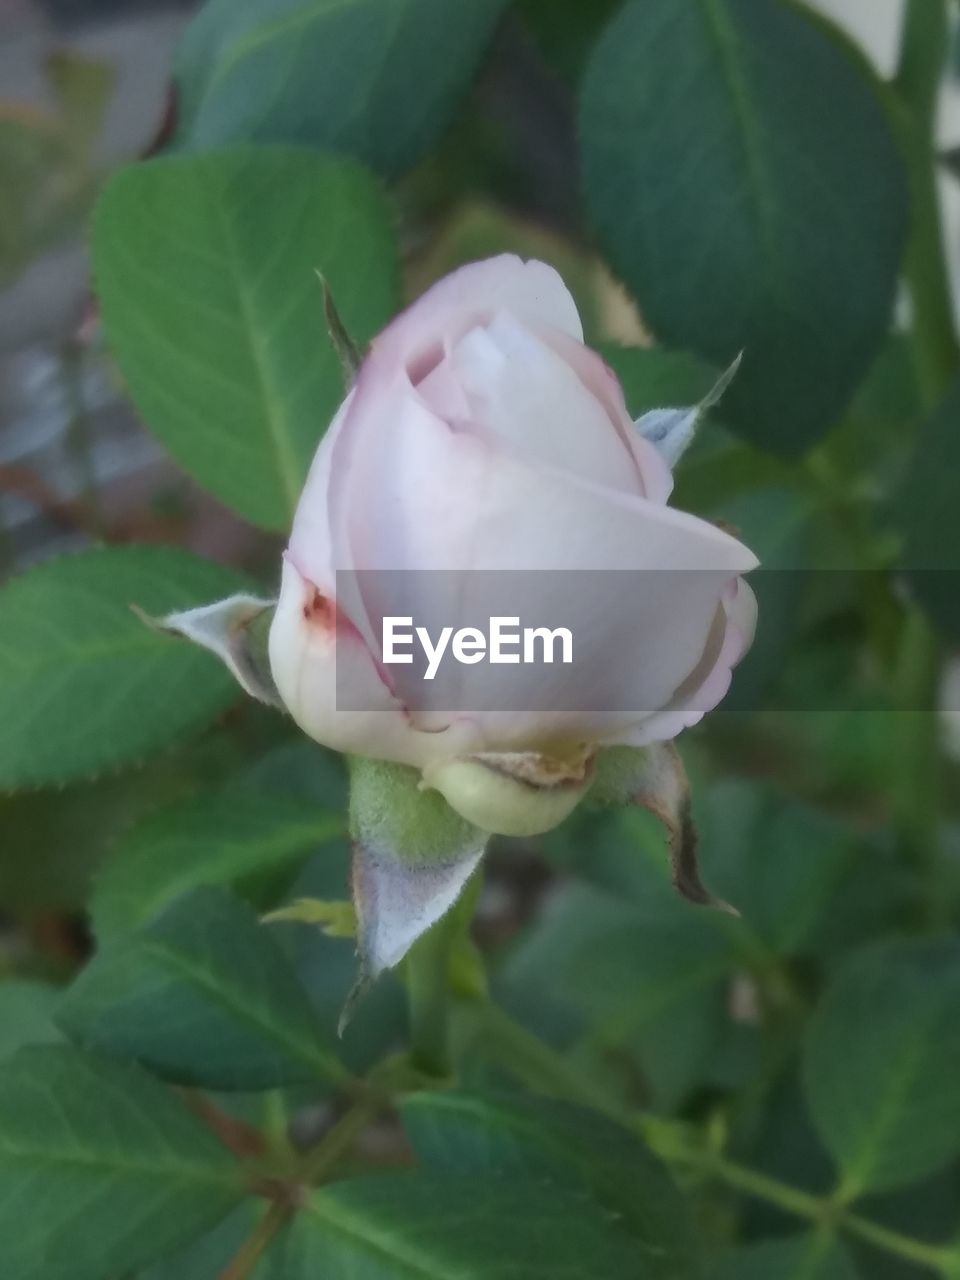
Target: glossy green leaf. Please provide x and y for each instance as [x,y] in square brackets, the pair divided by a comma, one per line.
[808,1257]
[551,1143]
[882,1061]
[411,1226]
[743,177]
[232,837]
[203,995]
[653,378]
[331,73]
[206,271]
[880,426]
[26,1014]
[928,516]
[102,1170]
[84,685]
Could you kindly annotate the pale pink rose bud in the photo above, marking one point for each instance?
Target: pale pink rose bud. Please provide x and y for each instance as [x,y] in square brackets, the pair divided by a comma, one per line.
[481,434]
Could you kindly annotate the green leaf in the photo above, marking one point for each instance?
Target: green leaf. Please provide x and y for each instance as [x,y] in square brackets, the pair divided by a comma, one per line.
[654,378]
[206,272]
[929,517]
[808,1257]
[304,771]
[56,839]
[565,30]
[203,995]
[882,1061]
[551,1143]
[879,429]
[327,967]
[234,837]
[779,861]
[745,182]
[208,1257]
[620,966]
[26,1014]
[102,1170]
[331,73]
[411,1226]
[649,978]
[84,685]
[720,468]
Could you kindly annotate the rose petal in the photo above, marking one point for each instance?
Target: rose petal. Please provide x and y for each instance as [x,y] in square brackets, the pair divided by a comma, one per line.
[708,683]
[310,538]
[519,389]
[531,291]
[517,517]
[597,376]
[406,352]
[322,670]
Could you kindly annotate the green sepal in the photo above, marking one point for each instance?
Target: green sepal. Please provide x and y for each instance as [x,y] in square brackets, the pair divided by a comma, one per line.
[236,630]
[348,352]
[412,856]
[337,919]
[653,778]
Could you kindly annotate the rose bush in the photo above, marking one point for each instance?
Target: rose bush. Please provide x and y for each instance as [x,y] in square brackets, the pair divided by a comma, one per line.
[482,435]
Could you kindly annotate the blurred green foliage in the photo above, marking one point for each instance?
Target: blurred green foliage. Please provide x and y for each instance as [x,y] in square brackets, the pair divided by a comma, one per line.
[48,173]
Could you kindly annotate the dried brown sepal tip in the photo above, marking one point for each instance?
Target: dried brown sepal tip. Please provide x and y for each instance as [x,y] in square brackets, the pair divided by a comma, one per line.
[653,778]
[685,864]
[348,352]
